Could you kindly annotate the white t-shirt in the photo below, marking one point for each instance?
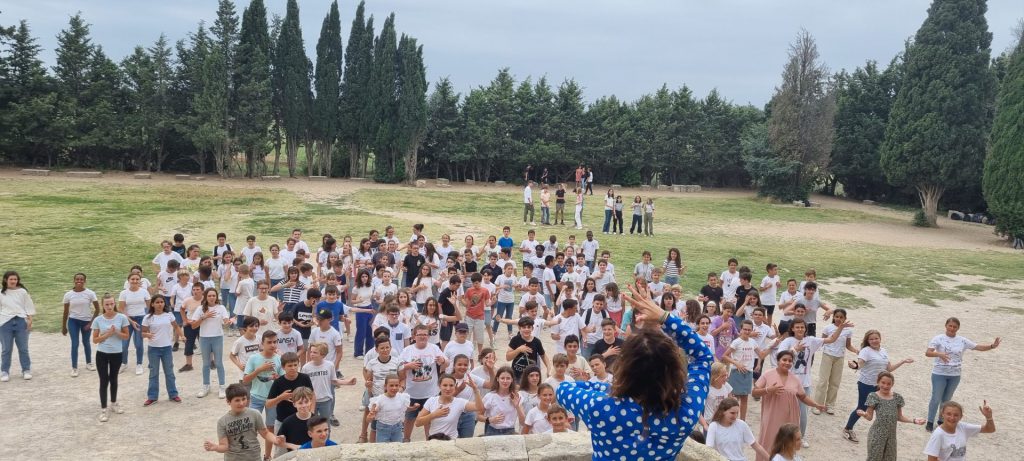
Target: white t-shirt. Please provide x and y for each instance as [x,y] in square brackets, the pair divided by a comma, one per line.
[530,245]
[708,341]
[812,305]
[391,410]
[248,252]
[331,337]
[496,404]
[162,327]
[213,326]
[166,281]
[421,383]
[766,333]
[590,248]
[779,457]
[449,424]
[433,324]
[467,392]
[785,298]
[453,348]
[506,288]
[768,294]
[161,259]
[80,304]
[714,399]
[275,268]
[955,347]
[263,310]
[228,277]
[595,321]
[537,419]
[803,361]
[181,293]
[527,195]
[380,371]
[564,328]
[744,352]
[426,292]
[730,281]
[321,376]
[836,349]
[134,301]
[951,447]
[243,293]
[244,347]
[288,342]
[729,441]
[875,362]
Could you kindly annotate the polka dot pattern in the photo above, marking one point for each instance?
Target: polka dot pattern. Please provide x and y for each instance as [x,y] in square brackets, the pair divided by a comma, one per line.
[617,429]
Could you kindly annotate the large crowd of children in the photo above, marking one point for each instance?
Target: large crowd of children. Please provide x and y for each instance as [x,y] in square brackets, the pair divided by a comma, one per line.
[423,317]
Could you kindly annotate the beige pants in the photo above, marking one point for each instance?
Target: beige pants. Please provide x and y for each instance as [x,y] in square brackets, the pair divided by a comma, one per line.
[829,376]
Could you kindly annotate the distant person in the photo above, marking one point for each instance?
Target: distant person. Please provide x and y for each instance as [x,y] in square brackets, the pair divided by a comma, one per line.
[528,203]
[579,177]
[526,173]
[544,176]
[590,180]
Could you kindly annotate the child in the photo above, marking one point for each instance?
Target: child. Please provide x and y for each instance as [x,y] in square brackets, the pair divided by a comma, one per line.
[506,241]
[529,246]
[649,217]
[599,365]
[536,421]
[108,330]
[723,328]
[730,280]
[294,428]
[949,440]
[421,363]
[727,434]
[656,286]
[460,346]
[262,307]
[288,338]
[703,332]
[718,392]
[258,373]
[558,419]
[524,349]
[318,430]
[787,443]
[399,333]
[643,269]
[742,354]
[711,292]
[501,405]
[238,430]
[832,355]
[388,410]
[590,247]
[244,290]
[769,286]
[592,320]
[475,299]
[804,348]
[534,296]
[160,328]
[889,407]
[282,388]
[610,344]
[558,376]
[246,345]
[332,302]
[578,368]
[506,296]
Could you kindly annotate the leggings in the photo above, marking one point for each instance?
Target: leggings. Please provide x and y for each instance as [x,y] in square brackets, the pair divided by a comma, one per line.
[618,222]
[862,396]
[108,364]
[636,224]
[78,330]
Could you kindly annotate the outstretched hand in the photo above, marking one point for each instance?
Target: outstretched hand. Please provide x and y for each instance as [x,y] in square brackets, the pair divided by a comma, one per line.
[643,306]
[985,409]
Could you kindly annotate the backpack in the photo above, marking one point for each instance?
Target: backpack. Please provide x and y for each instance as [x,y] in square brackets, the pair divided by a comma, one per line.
[586,317]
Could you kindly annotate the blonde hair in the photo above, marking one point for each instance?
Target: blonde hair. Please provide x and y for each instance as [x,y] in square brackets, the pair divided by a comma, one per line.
[303,393]
[320,347]
[719,369]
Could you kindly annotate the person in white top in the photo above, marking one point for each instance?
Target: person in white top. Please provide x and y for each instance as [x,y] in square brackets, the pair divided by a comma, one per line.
[160,260]
[769,287]
[211,319]
[262,307]
[16,313]
[133,303]
[501,405]
[728,434]
[804,347]
[160,329]
[299,244]
[80,306]
[949,440]
[948,350]
[389,410]
[421,363]
[787,443]
[871,360]
[440,414]
[730,281]
[831,370]
[528,203]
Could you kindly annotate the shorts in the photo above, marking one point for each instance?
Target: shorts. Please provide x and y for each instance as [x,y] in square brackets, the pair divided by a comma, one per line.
[741,383]
[366,399]
[477,329]
[412,414]
[768,309]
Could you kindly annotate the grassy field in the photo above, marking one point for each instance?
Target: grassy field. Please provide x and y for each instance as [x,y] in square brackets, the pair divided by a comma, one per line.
[54,229]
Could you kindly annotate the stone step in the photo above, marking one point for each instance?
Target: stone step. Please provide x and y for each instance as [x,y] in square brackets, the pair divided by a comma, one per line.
[270,178]
[35,172]
[142,176]
[318,178]
[443,182]
[421,183]
[183,177]
[85,174]
[500,183]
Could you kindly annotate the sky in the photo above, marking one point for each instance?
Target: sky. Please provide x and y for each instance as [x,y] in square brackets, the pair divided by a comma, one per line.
[625,48]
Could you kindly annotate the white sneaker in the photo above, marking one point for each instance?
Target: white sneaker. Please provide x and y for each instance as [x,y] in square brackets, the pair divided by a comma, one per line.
[4,377]
[90,367]
[533,223]
[74,372]
[117,408]
[123,368]
[222,393]
[138,369]
[805,444]
[203,391]
[27,375]
[104,415]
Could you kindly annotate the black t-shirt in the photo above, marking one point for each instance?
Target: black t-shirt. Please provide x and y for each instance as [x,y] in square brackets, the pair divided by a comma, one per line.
[281,384]
[494,270]
[741,295]
[412,264]
[447,308]
[294,430]
[559,196]
[601,347]
[305,314]
[523,360]
[713,294]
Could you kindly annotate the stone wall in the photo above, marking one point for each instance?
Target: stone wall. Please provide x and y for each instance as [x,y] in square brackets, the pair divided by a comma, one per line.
[535,447]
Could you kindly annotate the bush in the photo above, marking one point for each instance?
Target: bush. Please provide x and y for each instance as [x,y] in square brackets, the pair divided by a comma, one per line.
[920,220]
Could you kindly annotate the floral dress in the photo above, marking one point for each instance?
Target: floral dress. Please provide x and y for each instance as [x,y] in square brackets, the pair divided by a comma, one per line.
[882,436]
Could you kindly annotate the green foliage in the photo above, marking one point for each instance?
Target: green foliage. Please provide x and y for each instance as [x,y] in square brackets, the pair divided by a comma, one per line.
[1004,165]
[920,219]
[355,122]
[252,88]
[412,105]
[293,68]
[862,110]
[327,82]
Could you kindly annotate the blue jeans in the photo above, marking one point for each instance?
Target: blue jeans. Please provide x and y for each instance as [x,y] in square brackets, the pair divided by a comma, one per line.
[489,431]
[862,396]
[607,221]
[388,433]
[136,334]
[260,404]
[505,311]
[364,333]
[214,345]
[467,425]
[325,408]
[943,388]
[273,283]
[227,298]
[78,332]
[15,333]
[673,280]
[545,215]
[588,349]
[161,356]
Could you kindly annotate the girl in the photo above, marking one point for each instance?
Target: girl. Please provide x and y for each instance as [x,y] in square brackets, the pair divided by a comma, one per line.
[948,350]
[467,422]
[638,218]
[258,267]
[290,290]
[719,391]
[703,325]
[949,441]
[691,312]
[485,370]
[529,387]
[407,308]
[613,302]
[108,330]
[491,248]
[501,405]
[727,434]
[388,410]
[144,281]
[276,265]
[787,443]
[191,262]
[673,267]
[831,371]
[609,210]
[432,317]
[469,245]
[649,218]
[668,303]
[422,287]
[364,253]
[618,224]
[536,421]
[327,268]
[133,303]
[750,302]
[360,302]
[889,407]
[16,312]
[871,360]
[210,319]
[441,414]
[432,258]
[588,293]
[77,317]
[723,328]
[578,214]
[188,307]
[160,329]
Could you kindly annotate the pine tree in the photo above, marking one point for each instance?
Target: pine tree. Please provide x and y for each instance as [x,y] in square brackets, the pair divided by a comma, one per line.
[27,103]
[355,126]
[74,55]
[1004,165]
[220,73]
[863,102]
[252,91]
[293,70]
[412,104]
[937,131]
[443,129]
[324,122]
[383,91]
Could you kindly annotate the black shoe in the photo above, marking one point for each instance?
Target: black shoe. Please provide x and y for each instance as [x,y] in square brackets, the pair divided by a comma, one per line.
[335,422]
[929,427]
[175,348]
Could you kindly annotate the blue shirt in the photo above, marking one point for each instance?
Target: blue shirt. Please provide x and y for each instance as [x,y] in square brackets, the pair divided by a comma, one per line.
[260,387]
[111,345]
[329,443]
[506,242]
[617,425]
[337,310]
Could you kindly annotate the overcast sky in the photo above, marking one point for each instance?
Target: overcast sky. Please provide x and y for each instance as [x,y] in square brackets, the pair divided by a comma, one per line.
[626,48]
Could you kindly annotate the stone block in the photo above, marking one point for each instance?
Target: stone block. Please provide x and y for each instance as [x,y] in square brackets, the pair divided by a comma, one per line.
[318,178]
[868,202]
[183,177]
[442,181]
[470,182]
[421,183]
[616,186]
[815,204]
[85,174]
[678,188]
[645,187]
[798,203]
[663,187]
[359,179]
[142,176]
[499,183]
[270,178]
[35,172]
[199,178]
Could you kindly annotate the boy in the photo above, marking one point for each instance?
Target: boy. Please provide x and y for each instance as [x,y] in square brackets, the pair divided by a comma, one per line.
[221,248]
[448,299]
[578,368]
[399,332]
[590,247]
[475,299]
[602,276]
[506,259]
[533,295]
[304,318]
[769,286]
[226,276]
[529,246]
[258,373]
[593,318]
[167,255]
[811,301]
[741,293]
[299,244]
[239,429]
[762,333]
[325,333]
[323,374]
[644,268]
[289,252]
[742,354]
[281,390]
[558,376]
[609,345]
[420,365]
[460,345]
[524,349]
[294,428]
[411,263]
[246,345]
[558,418]
[288,338]
[332,302]
[492,290]
[166,281]
[600,366]
[179,245]
[318,433]
[506,296]
[506,242]
[656,287]
[250,249]
[730,280]
[567,323]
[261,307]
[711,291]
[492,268]
[607,256]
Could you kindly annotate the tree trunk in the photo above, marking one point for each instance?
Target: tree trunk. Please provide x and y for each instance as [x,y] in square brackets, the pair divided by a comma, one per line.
[929,196]
[292,151]
[410,165]
[277,156]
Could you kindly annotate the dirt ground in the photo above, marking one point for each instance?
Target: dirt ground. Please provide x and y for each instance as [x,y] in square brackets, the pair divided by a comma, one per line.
[63,410]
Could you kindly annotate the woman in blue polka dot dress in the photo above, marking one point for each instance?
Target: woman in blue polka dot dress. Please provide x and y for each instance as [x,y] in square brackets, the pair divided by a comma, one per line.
[652,407]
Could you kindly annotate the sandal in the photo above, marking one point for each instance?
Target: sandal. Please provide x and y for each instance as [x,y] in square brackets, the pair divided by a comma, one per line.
[850,435]
[362,439]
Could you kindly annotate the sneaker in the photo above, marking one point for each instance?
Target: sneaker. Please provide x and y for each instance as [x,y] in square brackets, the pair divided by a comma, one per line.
[117,408]
[203,391]
[27,375]
[148,402]
[222,393]
[138,369]
[362,408]
[848,434]
[104,415]
[830,410]
[90,367]
[74,372]
[175,347]
[176,399]
[805,444]
[185,368]
[929,427]
[335,422]
[4,377]
[815,411]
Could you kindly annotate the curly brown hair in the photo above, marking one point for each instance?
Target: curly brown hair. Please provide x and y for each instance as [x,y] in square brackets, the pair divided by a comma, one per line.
[651,369]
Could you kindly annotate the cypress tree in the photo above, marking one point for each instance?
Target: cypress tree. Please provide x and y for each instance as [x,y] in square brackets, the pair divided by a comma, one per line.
[383,91]
[355,121]
[324,123]
[443,128]
[224,46]
[938,127]
[863,102]
[293,77]
[1004,166]
[412,104]
[27,101]
[252,87]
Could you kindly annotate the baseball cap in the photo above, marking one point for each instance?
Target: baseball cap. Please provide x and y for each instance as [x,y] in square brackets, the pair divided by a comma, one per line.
[325,314]
[461,327]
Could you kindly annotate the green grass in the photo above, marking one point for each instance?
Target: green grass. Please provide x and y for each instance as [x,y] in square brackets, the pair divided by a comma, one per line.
[52,230]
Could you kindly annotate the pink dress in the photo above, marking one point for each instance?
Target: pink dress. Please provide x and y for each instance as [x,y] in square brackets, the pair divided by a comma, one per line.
[778,409]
